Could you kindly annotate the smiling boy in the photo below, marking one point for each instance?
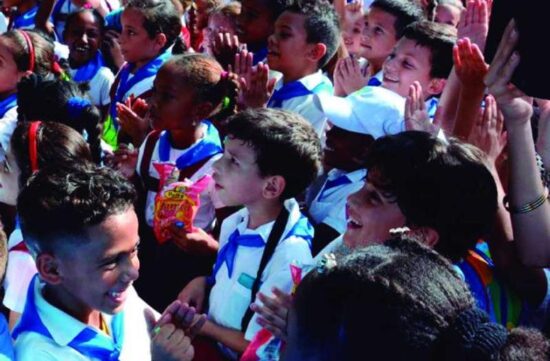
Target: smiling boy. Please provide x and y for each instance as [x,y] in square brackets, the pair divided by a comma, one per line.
[83,233]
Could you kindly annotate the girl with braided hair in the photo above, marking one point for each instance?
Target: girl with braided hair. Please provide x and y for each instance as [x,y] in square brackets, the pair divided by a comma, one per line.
[397,301]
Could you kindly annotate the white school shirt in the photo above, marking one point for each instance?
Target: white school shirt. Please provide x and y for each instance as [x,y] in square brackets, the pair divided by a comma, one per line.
[7,125]
[229,299]
[100,86]
[329,205]
[304,105]
[32,346]
[19,273]
[208,198]
[139,88]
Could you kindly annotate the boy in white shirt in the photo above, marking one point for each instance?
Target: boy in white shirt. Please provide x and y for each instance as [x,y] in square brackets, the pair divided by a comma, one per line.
[270,157]
[81,227]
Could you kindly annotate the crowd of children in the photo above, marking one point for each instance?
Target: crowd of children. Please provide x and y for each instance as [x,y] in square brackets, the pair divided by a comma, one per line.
[269,180]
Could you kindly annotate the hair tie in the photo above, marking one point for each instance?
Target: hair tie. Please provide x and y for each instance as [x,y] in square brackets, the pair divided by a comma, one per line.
[76,105]
[30,47]
[33,145]
[472,336]
[224,74]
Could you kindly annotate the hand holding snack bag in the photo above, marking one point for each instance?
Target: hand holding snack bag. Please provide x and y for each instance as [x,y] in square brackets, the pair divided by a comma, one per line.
[176,201]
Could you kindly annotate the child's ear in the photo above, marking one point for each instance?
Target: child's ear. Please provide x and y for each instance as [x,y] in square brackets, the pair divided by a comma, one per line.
[274,187]
[428,235]
[436,86]
[48,268]
[160,40]
[316,52]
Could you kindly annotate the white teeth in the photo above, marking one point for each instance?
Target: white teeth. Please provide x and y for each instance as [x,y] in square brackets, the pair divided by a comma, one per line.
[115,294]
[354,223]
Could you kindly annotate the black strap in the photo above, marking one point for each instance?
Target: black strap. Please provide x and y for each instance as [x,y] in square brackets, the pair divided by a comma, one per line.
[150,183]
[272,241]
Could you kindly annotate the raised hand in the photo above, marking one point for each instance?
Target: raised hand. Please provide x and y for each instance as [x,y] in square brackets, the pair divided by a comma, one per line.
[257,90]
[350,75]
[416,114]
[272,315]
[470,66]
[474,22]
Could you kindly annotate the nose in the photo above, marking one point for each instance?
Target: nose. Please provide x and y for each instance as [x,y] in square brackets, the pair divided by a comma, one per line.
[84,38]
[130,272]
[271,40]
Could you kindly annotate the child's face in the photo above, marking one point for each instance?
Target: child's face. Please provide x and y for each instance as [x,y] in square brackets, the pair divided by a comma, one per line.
[352,34]
[255,22]
[379,36]
[288,48]
[409,62]
[371,215]
[135,44]
[172,102]
[9,74]
[237,176]
[216,24]
[83,36]
[447,14]
[9,179]
[343,149]
[97,275]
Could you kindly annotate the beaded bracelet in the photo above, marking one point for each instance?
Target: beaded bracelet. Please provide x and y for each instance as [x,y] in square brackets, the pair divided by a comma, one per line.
[526,208]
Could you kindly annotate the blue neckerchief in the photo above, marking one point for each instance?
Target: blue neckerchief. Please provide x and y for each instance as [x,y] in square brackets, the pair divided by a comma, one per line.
[329,184]
[88,342]
[295,89]
[208,146]
[302,228]
[89,70]
[431,106]
[9,103]
[259,55]
[25,20]
[374,82]
[146,71]
[229,250]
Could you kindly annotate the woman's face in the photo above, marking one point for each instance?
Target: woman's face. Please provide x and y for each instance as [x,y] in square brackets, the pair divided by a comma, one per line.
[9,179]
[371,214]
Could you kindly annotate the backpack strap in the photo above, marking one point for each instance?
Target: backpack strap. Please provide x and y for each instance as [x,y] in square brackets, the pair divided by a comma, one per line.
[272,242]
[151,184]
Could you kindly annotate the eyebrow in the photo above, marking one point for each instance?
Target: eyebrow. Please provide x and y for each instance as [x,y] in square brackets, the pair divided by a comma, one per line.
[110,257]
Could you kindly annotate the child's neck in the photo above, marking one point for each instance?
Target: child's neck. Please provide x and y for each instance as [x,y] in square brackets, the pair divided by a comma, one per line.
[184,138]
[299,74]
[25,6]
[374,67]
[139,64]
[263,212]
[67,303]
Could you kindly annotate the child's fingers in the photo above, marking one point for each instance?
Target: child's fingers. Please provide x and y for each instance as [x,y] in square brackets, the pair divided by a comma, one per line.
[195,329]
[456,57]
[503,53]
[284,298]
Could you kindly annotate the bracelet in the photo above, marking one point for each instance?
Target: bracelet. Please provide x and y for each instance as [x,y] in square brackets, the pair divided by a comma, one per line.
[526,208]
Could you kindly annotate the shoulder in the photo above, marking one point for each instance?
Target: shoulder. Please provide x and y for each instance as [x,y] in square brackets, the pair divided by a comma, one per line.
[106,73]
[31,346]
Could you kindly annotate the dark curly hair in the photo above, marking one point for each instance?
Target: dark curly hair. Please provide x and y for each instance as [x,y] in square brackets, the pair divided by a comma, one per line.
[395,302]
[285,144]
[406,12]
[59,203]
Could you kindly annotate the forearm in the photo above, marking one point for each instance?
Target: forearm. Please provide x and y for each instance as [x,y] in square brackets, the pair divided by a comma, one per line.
[44,12]
[448,103]
[532,229]
[467,110]
[233,339]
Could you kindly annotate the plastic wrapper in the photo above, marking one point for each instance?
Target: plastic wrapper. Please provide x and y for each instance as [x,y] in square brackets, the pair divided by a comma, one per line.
[176,201]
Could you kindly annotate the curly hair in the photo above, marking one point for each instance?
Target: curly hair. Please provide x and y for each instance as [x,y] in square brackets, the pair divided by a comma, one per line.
[59,203]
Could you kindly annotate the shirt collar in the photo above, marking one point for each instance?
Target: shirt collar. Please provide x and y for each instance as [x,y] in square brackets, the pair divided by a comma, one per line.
[354,176]
[309,81]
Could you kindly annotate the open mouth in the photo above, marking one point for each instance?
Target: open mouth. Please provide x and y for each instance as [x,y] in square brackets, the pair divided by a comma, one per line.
[390,80]
[118,296]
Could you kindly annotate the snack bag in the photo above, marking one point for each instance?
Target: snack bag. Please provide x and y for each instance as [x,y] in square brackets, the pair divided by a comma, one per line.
[177,201]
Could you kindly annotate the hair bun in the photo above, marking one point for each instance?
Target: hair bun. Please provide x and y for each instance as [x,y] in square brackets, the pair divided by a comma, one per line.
[472,336]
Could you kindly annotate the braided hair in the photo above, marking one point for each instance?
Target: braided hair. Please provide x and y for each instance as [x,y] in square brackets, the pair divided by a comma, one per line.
[396,301]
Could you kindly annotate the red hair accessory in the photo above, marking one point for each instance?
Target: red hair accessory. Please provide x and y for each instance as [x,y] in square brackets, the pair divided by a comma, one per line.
[30,47]
[33,145]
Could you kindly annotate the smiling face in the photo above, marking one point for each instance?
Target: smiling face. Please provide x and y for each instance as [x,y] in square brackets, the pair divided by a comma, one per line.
[379,36]
[371,214]
[409,62]
[97,275]
[83,37]
[237,176]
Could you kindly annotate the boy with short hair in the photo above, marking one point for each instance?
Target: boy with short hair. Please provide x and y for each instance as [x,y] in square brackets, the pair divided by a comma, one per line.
[423,55]
[270,157]
[149,29]
[81,227]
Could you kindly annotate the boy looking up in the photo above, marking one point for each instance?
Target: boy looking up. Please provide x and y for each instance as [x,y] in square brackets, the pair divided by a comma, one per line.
[270,157]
